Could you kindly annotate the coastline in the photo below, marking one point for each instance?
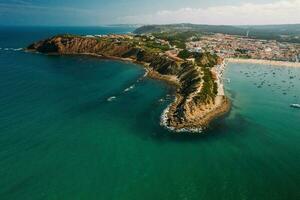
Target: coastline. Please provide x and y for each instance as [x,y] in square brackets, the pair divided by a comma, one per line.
[172,80]
[185,113]
[205,114]
[263,62]
[198,124]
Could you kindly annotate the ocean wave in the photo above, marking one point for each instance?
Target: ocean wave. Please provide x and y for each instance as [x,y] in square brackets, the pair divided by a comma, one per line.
[129,88]
[146,73]
[18,49]
[164,119]
[11,49]
[161,100]
[142,77]
[111,98]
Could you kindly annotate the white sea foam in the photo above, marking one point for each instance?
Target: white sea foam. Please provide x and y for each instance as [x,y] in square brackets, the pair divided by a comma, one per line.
[146,73]
[17,49]
[12,49]
[111,98]
[90,36]
[129,88]
[164,119]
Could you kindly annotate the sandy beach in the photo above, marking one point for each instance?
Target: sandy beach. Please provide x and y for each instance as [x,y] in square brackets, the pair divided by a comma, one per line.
[263,62]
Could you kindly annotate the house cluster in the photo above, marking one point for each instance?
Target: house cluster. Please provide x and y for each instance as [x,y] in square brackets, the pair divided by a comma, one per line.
[147,37]
[230,46]
[112,36]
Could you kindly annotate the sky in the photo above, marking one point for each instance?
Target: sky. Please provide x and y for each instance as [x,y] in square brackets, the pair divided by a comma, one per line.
[101,12]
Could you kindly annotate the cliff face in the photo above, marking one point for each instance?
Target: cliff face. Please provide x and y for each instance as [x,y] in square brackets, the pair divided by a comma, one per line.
[77,45]
[106,48]
[196,97]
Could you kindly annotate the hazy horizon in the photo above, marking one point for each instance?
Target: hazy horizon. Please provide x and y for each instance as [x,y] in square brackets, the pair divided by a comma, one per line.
[105,12]
[137,25]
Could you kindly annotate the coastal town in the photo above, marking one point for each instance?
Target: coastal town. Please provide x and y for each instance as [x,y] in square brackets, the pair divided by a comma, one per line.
[224,45]
[231,46]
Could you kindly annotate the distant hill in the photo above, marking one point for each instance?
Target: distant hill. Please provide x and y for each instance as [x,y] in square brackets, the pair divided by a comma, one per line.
[283,33]
[125,25]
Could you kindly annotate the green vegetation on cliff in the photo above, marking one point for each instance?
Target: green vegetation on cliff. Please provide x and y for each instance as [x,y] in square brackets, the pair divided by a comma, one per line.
[152,52]
[142,49]
[209,88]
[184,54]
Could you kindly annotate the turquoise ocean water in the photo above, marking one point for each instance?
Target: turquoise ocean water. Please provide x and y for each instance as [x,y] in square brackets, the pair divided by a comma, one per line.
[60,137]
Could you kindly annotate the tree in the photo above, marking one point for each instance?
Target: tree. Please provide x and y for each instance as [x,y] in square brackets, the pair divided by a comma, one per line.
[184,54]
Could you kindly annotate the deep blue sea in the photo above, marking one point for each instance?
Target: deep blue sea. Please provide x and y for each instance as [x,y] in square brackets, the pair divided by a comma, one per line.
[74,128]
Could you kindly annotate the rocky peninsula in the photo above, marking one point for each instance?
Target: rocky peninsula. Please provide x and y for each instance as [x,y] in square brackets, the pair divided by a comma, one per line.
[197,77]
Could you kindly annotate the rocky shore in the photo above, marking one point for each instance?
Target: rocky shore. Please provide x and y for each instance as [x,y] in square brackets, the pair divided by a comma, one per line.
[199,90]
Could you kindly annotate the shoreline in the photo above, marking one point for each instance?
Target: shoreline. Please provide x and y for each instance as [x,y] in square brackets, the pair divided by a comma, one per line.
[263,62]
[185,112]
[172,80]
[197,125]
[209,112]
[221,106]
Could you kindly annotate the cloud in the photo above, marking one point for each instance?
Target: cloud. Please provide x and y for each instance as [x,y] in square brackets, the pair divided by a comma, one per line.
[280,12]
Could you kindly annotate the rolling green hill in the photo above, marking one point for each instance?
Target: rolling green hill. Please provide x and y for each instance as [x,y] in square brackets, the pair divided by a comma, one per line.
[283,33]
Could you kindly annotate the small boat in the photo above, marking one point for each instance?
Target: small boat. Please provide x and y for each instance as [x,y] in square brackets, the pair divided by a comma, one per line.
[295,105]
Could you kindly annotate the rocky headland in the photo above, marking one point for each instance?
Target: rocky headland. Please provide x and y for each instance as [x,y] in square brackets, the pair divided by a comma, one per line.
[199,94]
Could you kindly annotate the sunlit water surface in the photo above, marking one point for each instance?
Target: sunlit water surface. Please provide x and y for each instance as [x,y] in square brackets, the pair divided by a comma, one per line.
[84,128]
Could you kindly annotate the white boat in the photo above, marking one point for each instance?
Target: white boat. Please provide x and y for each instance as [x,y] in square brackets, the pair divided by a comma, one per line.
[295,105]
